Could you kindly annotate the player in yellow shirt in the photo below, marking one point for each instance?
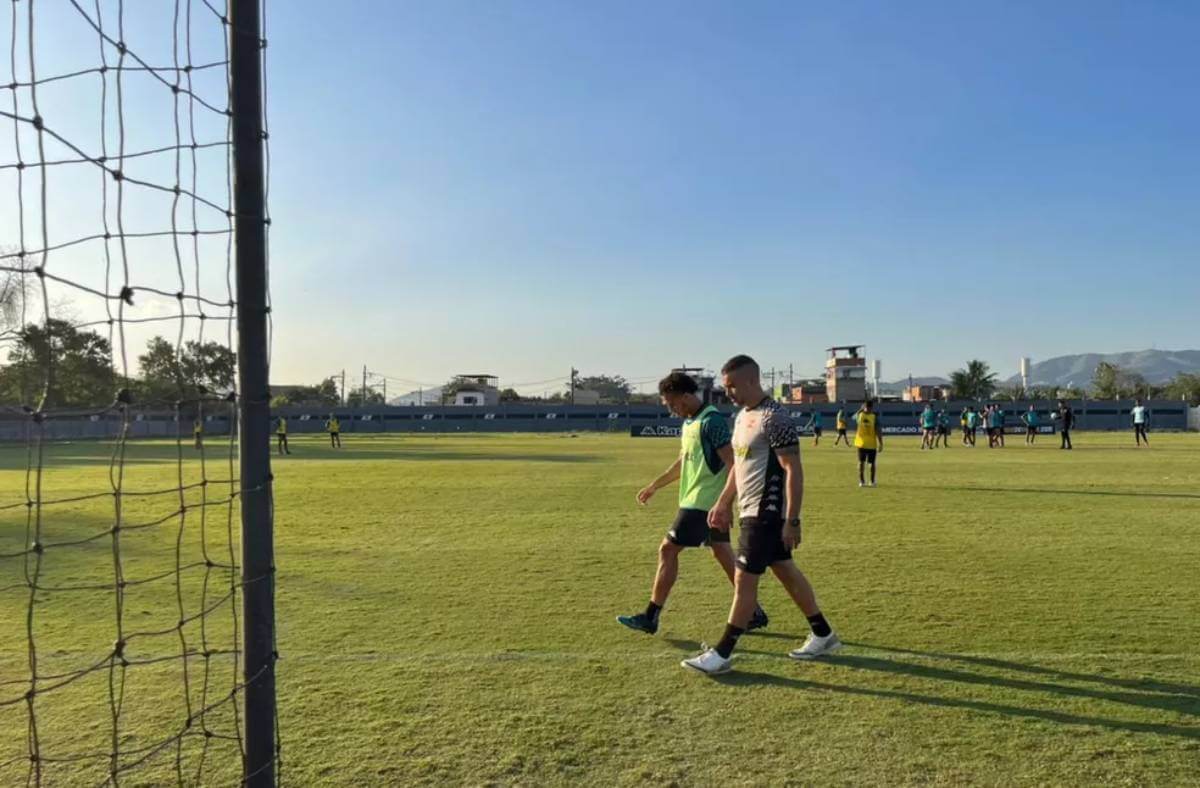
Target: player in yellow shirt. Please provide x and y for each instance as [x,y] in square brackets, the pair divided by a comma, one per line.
[335,431]
[281,435]
[868,438]
[198,433]
[840,423]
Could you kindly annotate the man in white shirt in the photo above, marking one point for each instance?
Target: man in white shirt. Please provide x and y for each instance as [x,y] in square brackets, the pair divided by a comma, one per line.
[1141,420]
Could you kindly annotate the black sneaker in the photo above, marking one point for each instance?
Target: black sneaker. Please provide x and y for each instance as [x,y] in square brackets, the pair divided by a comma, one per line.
[641,622]
[758,620]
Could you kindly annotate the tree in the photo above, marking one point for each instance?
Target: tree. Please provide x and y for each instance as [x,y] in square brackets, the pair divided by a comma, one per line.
[167,376]
[1014,392]
[510,395]
[355,398]
[976,381]
[610,388]
[1185,386]
[325,394]
[1113,382]
[78,365]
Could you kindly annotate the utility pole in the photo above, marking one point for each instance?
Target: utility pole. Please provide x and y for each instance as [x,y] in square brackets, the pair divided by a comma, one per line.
[574,373]
[343,388]
[385,391]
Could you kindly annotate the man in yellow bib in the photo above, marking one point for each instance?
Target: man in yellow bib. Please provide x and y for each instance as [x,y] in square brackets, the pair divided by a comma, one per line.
[868,438]
[335,431]
[281,435]
[198,433]
[840,420]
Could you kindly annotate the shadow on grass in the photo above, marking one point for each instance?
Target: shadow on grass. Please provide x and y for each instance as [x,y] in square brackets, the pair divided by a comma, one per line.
[684,645]
[436,454]
[161,453]
[1033,491]
[747,678]
[1145,685]
[1176,698]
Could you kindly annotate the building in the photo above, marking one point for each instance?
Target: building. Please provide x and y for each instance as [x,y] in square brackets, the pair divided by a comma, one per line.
[846,374]
[476,390]
[925,393]
[708,392]
[802,392]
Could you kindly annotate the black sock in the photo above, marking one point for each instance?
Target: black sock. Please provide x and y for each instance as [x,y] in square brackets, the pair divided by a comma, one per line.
[652,611]
[729,640]
[820,626]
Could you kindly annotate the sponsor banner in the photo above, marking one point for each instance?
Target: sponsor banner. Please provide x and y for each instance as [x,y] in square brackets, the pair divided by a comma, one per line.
[655,431]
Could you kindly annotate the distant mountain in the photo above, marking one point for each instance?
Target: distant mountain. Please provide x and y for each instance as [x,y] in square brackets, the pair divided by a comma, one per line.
[899,385]
[1157,366]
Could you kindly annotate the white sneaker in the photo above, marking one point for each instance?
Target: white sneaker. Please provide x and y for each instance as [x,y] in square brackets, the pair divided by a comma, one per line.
[862,484]
[816,647]
[710,663]
[873,484]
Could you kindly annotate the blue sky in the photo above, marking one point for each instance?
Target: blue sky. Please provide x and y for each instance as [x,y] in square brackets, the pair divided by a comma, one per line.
[518,187]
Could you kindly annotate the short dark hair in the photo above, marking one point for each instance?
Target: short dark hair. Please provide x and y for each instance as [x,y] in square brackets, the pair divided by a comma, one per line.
[737,362]
[677,383]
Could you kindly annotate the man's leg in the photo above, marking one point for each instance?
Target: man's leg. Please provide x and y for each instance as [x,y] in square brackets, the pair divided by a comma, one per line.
[822,641]
[797,585]
[872,469]
[745,602]
[861,480]
[665,576]
[1145,435]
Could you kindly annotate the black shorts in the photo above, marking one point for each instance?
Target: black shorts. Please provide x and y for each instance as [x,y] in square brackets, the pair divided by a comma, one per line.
[690,529]
[1031,430]
[842,432]
[816,431]
[943,430]
[867,455]
[760,544]
[334,434]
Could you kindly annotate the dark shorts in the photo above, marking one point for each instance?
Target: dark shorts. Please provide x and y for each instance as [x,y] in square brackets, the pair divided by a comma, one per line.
[690,529]
[760,544]
[943,430]
[334,434]
[867,455]
[816,430]
[1031,430]
[842,431]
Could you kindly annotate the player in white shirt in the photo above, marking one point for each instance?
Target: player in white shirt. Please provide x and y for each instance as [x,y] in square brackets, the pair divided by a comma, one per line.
[1141,420]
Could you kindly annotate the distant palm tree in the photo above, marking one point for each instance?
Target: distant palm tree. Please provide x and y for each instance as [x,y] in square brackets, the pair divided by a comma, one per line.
[977,381]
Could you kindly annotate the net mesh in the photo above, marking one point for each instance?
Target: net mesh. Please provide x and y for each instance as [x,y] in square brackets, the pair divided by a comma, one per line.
[119,578]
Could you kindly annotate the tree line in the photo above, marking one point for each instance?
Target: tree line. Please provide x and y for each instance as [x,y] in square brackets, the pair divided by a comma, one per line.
[976,381]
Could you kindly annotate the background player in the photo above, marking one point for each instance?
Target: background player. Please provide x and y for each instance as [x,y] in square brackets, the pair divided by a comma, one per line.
[928,421]
[840,423]
[701,469]
[1141,421]
[814,421]
[281,436]
[868,439]
[335,431]
[1066,420]
[1030,417]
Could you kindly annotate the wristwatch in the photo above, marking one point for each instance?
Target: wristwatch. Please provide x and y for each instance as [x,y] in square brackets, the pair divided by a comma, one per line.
[794,522]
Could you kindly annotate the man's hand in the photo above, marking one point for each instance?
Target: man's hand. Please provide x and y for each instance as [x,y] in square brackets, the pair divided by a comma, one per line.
[879,448]
[720,517]
[791,536]
[645,494]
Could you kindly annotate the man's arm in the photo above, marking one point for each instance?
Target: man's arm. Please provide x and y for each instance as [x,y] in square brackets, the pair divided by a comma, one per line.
[789,458]
[721,515]
[666,477]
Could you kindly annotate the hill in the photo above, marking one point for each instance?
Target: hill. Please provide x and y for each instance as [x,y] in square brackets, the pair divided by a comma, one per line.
[1157,366]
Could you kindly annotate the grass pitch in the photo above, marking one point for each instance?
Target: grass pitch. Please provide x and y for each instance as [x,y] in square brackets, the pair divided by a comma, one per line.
[446,615]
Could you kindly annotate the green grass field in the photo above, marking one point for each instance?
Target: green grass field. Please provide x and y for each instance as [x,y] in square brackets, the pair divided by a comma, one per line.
[446,615]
